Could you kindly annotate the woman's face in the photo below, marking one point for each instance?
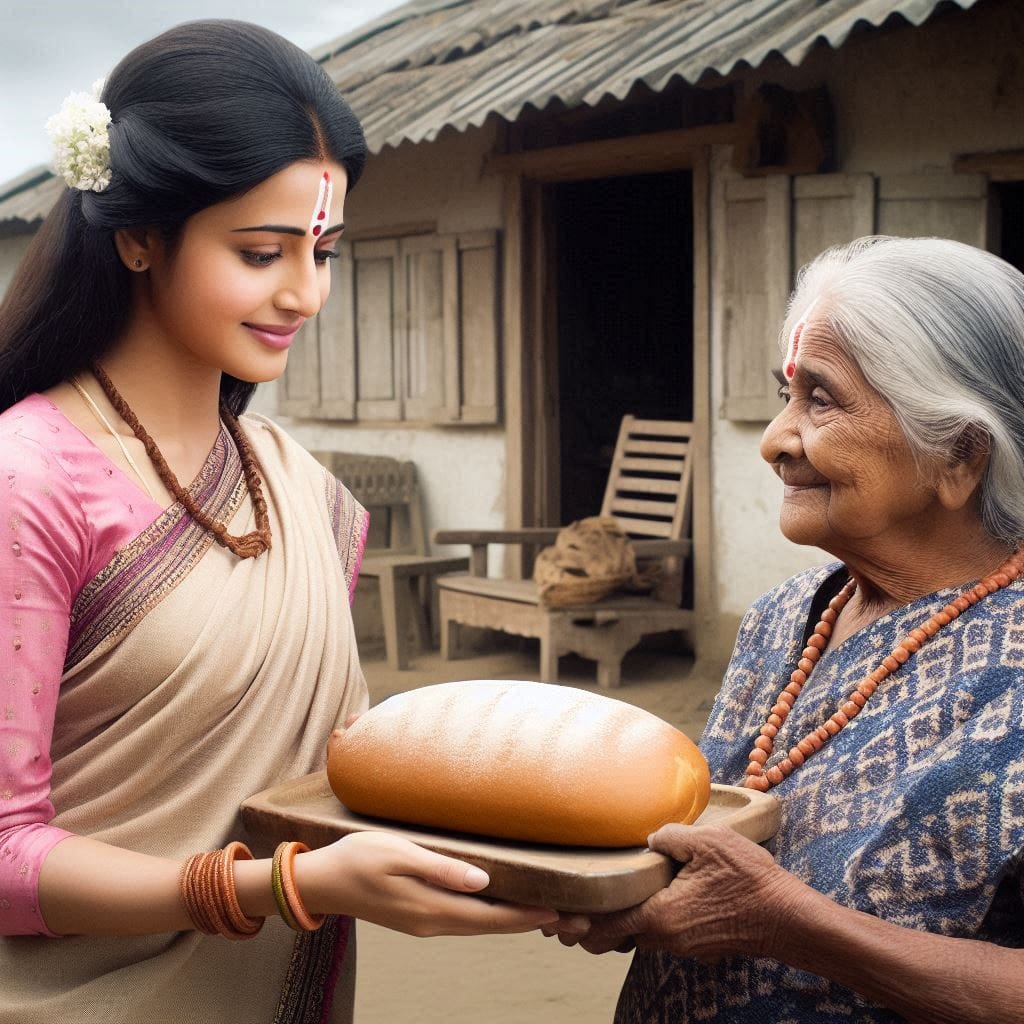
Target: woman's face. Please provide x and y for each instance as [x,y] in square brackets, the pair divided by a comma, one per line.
[851,481]
[248,272]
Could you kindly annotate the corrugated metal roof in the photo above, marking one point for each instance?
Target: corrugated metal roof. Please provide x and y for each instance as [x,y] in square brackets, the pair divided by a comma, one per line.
[431,64]
[27,199]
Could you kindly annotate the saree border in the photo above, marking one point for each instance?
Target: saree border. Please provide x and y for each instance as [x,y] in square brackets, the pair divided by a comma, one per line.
[350,524]
[307,996]
[150,566]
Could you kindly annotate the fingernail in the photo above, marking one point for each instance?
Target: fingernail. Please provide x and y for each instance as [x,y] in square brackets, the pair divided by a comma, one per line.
[476,878]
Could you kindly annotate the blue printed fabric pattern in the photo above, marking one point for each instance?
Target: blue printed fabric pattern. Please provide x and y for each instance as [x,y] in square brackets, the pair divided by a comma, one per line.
[913,813]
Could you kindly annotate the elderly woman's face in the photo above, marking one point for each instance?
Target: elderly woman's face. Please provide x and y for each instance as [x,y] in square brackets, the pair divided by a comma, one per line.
[850,477]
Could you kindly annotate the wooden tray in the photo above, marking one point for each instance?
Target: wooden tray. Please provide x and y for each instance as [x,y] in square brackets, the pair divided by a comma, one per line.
[576,879]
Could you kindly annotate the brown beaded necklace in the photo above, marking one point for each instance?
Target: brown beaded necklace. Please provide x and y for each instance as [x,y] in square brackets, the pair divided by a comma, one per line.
[761,778]
[248,546]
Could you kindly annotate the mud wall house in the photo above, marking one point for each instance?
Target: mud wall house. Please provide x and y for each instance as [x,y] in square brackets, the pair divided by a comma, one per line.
[581,209]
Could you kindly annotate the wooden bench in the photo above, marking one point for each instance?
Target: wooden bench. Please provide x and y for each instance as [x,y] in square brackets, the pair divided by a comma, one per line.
[401,563]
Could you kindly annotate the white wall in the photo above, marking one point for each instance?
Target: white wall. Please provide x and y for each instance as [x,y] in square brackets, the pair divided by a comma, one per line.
[441,182]
[750,554]
[910,100]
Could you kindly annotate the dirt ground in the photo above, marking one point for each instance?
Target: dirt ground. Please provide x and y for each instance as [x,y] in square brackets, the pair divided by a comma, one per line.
[520,978]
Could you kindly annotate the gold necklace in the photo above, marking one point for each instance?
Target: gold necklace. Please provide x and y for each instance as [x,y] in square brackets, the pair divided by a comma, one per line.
[98,412]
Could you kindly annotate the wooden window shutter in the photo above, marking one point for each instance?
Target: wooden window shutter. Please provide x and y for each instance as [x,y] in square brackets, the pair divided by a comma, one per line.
[379,301]
[752,257]
[429,328]
[830,209]
[450,337]
[320,378]
[410,331]
[337,343]
[299,391]
[479,327]
[940,205]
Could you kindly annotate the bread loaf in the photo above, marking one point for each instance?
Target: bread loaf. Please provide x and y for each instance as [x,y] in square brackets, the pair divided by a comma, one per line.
[518,760]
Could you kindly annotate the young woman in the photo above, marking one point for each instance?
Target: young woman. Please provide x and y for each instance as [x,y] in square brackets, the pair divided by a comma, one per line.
[175,577]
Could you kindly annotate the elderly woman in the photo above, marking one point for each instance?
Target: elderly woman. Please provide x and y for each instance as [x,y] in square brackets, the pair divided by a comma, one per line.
[880,698]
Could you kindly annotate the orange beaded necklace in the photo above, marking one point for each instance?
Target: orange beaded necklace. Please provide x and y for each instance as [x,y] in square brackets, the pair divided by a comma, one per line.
[761,778]
[249,545]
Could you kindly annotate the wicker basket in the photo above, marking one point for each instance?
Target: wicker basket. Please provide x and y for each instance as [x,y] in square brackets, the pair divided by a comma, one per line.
[573,590]
[590,559]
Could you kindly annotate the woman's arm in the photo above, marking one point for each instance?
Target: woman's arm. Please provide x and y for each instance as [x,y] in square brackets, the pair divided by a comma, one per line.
[730,898]
[927,978]
[90,888]
[45,543]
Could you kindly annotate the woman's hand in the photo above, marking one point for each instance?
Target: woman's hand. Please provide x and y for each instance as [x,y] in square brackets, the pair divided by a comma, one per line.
[397,884]
[728,897]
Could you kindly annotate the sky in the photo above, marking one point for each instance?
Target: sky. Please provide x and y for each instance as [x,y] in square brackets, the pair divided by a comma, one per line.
[55,47]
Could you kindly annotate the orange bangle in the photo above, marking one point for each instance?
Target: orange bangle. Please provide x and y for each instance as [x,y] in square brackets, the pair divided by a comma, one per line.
[240,922]
[195,893]
[285,856]
[188,889]
[207,890]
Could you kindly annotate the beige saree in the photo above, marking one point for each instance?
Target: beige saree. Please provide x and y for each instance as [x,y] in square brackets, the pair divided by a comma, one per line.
[194,679]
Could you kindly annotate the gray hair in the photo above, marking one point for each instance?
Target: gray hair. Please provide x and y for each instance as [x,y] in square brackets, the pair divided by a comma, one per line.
[937,329]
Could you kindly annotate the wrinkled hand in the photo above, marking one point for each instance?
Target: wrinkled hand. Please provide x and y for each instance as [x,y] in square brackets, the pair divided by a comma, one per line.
[397,884]
[728,897]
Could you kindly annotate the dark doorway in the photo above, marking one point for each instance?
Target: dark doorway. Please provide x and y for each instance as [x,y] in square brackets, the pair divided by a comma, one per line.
[624,318]
[1011,226]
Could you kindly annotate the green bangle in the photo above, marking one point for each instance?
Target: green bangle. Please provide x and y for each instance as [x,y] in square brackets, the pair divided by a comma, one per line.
[277,885]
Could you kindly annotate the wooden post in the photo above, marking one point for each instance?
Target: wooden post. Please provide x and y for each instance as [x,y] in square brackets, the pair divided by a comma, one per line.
[701,525]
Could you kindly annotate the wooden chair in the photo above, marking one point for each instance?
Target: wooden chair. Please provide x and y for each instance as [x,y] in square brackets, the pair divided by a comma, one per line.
[648,492]
[402,566]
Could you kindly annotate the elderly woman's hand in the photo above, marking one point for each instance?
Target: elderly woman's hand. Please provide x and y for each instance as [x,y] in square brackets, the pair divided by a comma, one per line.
[728,897]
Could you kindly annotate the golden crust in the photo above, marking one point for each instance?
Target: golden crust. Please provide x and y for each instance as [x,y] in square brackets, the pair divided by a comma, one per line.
[517,760]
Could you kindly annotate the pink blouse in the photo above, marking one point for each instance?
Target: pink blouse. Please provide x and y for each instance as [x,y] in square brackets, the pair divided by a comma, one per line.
[65,510]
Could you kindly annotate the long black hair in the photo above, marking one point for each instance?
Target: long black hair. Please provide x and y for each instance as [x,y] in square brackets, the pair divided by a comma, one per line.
[200,114]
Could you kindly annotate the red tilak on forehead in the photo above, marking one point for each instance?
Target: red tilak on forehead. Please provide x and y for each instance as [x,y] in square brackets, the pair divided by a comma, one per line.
[323,205]
[789,366]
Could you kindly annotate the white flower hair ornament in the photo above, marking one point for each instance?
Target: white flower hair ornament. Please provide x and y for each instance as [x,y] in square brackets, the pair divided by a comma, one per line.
[81,142]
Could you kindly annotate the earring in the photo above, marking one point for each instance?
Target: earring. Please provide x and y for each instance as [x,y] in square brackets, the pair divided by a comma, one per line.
[137,264]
